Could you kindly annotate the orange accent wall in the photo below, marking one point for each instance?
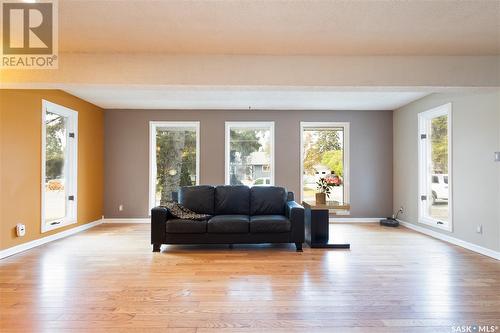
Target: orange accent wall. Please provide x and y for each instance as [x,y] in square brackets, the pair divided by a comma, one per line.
[20,162]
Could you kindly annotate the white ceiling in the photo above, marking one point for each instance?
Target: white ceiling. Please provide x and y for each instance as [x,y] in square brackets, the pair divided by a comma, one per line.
[281,27]
[271,27]
[242,98]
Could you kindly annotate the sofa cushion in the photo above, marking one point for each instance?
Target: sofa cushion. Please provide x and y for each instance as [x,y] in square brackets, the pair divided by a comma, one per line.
[178,226]
[269,224]
[267,200]
[230,199]
[228,224]
[199,199]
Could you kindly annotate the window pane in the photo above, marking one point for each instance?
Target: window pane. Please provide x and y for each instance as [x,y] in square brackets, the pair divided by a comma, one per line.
[250,156]
[438,208]
[175,161]
[323,156]
[55,158]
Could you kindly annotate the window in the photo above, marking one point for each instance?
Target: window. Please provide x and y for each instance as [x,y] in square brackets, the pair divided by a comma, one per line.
[435,167]
[249,153]
[324,153]
[174,159]
[59,166]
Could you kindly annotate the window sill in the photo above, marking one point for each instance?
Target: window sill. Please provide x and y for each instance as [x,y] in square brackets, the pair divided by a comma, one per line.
[46,228]
[335,212]
[434,224]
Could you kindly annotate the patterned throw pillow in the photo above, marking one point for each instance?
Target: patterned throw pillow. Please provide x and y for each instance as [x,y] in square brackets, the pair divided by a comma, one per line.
[183,213]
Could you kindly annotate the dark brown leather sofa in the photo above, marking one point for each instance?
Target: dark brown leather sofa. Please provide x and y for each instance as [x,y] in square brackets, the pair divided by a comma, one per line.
[238,215]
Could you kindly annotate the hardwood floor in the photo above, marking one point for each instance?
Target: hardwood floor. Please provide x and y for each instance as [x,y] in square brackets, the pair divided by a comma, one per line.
[107,280]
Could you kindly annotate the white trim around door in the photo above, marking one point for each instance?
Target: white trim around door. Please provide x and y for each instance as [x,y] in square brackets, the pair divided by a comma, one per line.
[425,169]
[69,173]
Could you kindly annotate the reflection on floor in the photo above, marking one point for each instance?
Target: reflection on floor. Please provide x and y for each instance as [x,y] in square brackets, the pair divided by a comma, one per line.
[107,280]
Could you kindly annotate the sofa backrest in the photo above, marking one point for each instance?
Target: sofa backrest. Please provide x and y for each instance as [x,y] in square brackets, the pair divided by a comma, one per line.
[232,199]
[235,199]
[199,199]
[268,200]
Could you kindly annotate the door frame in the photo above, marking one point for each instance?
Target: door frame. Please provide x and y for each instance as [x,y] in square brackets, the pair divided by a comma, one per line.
[424,157]
[72,169]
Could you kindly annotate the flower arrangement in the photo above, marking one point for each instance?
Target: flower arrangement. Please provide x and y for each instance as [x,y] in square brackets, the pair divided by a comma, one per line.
[324,185]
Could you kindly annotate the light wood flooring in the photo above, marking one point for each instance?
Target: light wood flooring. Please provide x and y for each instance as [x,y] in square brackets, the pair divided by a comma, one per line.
[107,280]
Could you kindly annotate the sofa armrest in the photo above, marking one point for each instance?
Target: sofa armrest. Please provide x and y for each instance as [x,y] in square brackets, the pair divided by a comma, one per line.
[295,214]
[159,217]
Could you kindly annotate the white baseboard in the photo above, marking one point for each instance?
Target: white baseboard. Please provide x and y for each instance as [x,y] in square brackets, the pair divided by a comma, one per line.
[141,220]
[453,240]
[355,219]
[37,242]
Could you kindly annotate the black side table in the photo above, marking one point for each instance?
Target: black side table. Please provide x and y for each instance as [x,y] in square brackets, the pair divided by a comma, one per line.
[317,225]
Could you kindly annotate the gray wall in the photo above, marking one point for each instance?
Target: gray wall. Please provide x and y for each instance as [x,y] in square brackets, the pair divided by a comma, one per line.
[127,161]
[476,177]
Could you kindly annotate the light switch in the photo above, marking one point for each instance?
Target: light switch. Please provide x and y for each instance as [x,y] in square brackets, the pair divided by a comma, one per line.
[497,156]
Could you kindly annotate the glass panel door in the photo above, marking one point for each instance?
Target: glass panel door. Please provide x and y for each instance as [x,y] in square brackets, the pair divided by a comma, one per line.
[438,176]
[55,167]
[59,166]
[434,167]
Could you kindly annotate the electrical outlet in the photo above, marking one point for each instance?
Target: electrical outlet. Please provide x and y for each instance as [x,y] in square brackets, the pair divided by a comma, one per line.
[400,211]
[120,208]
[479,229]
[20,230]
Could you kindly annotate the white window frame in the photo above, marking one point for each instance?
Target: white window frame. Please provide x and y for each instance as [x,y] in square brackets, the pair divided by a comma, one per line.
[153,125]
[424,160]
[247,124]
[347,139]
[71,165]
